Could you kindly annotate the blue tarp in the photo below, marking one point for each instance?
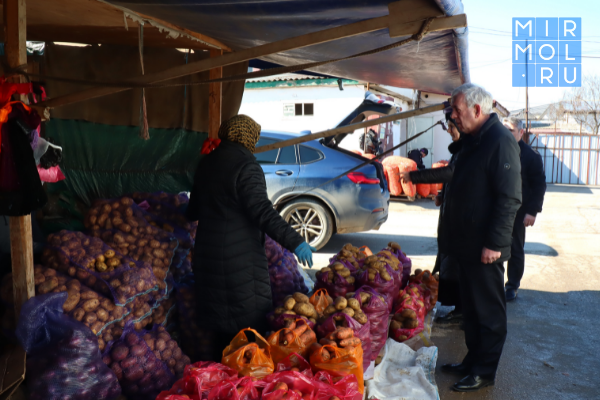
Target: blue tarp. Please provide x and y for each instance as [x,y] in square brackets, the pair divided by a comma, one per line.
[438,64]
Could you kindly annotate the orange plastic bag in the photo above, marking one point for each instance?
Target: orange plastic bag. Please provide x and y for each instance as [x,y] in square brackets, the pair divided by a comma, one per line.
[249,359]
[287,341]
[366,250]
[423,189]
[319,300]
[340,363]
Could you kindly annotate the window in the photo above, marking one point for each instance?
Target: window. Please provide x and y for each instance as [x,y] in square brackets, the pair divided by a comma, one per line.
[309,109]
[287,155]
[308,155]
[298,109]
[268,157]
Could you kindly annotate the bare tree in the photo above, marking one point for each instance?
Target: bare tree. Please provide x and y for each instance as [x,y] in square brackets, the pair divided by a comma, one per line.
[583,103]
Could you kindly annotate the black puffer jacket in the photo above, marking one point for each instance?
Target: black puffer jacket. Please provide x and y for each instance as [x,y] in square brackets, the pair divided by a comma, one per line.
[484,195]
[534,180]
[229,199]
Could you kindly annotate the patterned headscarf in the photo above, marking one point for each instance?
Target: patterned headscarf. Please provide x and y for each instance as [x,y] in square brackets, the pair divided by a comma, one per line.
[241,129]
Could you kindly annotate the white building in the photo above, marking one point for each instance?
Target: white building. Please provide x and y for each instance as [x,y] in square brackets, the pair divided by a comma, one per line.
[296,103]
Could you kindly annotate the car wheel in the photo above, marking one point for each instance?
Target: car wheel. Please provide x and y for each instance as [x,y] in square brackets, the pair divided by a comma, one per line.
[311,220]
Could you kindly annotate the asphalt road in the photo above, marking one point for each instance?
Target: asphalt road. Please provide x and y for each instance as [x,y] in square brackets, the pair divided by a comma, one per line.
[553,346]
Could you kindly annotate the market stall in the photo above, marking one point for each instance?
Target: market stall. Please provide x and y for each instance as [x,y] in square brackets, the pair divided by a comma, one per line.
[122,277]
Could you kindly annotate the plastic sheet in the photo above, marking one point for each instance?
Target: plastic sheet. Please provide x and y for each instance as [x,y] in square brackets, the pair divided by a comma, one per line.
[99,266]
[339,362]
[140,372]
[378,313]
[249,359]
[63,359]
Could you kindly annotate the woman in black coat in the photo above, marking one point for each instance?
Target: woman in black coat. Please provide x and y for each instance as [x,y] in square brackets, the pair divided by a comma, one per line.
[229,201]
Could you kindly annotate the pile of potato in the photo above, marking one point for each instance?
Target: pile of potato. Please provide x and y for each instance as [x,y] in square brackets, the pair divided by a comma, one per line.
[375,265]
[122,225]
[340,269]
[298,304]
[406,319]
[166,350]
[83,304]
[169,208]
[98,266]
[139,371]
[349,306]
[351,254]
[164,309]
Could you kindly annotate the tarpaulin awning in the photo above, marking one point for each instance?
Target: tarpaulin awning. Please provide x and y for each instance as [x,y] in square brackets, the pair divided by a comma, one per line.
[439,63]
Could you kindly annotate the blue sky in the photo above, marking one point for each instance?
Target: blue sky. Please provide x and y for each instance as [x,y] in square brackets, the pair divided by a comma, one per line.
[490,43]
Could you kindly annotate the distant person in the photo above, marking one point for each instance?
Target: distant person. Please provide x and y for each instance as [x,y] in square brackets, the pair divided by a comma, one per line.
[476,222]
[533,180]
[370,145]
[449,290]
[417,156]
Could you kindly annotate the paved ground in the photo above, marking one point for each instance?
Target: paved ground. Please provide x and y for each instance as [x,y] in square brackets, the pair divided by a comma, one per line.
[553,345]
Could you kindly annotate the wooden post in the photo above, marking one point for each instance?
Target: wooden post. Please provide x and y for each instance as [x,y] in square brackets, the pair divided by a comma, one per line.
[215,96]
[21,243]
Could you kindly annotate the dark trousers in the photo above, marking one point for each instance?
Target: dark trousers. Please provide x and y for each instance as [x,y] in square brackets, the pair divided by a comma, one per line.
[449,289]
[484,315]
[516,264]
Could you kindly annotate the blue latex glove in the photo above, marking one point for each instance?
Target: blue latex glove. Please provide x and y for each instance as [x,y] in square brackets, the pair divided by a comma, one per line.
[304,254]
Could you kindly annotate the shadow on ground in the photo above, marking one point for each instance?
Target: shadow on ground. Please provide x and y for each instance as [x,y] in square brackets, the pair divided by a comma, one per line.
[551,350]
[577,189]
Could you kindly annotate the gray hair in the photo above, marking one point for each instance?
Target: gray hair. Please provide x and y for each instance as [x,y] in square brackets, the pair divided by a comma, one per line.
[515,122]
[475,95]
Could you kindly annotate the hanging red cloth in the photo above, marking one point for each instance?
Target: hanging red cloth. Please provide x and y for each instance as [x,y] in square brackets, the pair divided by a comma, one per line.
[8,89]
[209,145]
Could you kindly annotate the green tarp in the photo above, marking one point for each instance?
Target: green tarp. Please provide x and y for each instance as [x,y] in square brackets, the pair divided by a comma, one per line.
[106,161]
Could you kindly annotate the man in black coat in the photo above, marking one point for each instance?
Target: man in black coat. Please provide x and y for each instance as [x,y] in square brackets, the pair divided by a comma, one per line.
[417,155]
[534,188]
[476,222]
[229,201]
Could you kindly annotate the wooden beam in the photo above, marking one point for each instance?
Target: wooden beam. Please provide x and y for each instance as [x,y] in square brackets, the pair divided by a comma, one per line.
[21,251]
[414,10]
[215,99]
[350,128]
[438,24]
[21,244]
[297,42]
[381,89]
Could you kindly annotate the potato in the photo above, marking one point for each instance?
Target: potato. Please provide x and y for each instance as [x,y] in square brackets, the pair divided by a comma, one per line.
[410,323]
[360,317]
[394,325]
[364,297]
[307,310]
[48,285]
[409,314]
[38,278]
[160,345]
[354,304]
[300,298]
[345,273]
[279,310]
[348,311]
[89,318]
[351,280]
[102,314]
[72,300]
[340,303]
[330,310]
[90,305]
[97,327]
[337,266]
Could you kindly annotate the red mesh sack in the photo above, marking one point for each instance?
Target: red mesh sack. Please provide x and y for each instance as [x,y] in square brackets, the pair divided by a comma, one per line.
[294,362]
[199,379]
[424,189]
[235,389]
[378,312]
[290,385]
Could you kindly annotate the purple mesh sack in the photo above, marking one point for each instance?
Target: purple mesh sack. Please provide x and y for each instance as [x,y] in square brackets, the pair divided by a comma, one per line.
[140,372]
[377,311]
[387,288]
[283,272]
[99,266]
[63,360]
[363,332]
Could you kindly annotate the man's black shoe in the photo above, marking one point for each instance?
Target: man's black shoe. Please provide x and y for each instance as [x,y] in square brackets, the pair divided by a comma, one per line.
[459,369]
[473,383]
[452,317]
[511,294]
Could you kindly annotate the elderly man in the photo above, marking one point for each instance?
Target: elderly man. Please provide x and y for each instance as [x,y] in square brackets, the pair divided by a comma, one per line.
[476,222]
[533,180]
